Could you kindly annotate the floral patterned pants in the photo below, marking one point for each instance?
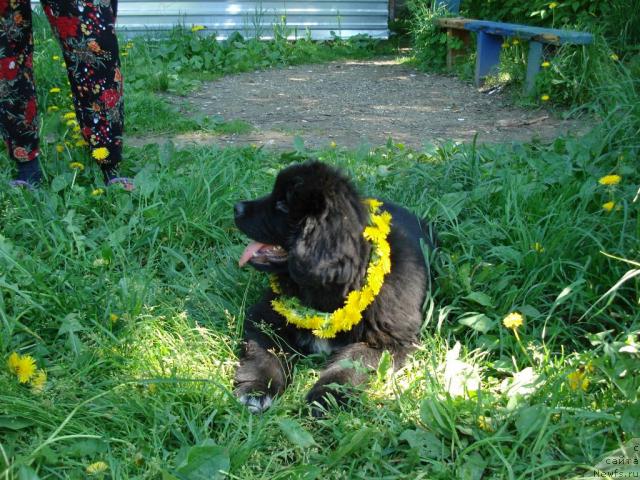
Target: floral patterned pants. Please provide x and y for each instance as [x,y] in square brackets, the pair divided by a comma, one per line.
[86,31]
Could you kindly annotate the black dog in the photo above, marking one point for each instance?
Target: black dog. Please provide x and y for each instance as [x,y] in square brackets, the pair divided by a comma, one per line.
[309,233]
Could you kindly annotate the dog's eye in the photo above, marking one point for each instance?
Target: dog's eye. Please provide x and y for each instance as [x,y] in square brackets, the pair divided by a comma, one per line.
[281,206]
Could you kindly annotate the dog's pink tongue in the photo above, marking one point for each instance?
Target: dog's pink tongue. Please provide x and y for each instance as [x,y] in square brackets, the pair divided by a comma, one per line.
[252,248]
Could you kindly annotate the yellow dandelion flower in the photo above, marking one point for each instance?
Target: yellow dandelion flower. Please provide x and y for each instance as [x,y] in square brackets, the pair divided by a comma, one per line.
[610,180]
[515,41]
[484,423]
[13,361]
[614,57]
[54,90]
[113,317]
[38,381]
[546,64]
[333,144]
[608,206]
[69,116]
[552,5]
[76,166]
[96,193]
[53,108]
[71,123]
[96,468]
[197,28]
[545,98]
[538,247]
[59,148]
[100,153]
[23,366]
[55,58]
[578,380]
[513,320]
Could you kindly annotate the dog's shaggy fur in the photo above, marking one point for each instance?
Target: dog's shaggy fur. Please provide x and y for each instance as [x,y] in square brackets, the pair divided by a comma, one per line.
[316,216]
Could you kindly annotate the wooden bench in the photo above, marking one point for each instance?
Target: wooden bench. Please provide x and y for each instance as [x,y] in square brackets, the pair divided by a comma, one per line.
[491,36]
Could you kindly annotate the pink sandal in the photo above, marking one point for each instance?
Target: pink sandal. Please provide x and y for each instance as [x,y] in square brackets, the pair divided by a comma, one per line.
[126,182]
[22,184]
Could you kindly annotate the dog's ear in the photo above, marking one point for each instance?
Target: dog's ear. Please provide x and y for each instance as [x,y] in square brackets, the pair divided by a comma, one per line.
[305,200]
[329,246]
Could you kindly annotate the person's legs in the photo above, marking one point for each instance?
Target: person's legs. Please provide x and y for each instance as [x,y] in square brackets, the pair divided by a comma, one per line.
[86,31]
[18,110]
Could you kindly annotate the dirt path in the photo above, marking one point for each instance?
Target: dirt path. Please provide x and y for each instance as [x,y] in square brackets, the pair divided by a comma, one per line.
[351,102]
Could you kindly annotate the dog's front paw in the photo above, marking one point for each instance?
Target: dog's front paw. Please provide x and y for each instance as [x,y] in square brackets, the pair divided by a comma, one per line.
[321,397]
[256,403]
[256,395]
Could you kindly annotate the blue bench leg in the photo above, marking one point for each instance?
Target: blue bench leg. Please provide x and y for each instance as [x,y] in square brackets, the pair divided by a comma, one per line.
[533,66]
[489,47]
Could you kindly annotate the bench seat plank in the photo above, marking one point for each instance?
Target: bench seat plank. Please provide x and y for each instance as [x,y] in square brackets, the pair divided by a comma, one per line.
[526,32]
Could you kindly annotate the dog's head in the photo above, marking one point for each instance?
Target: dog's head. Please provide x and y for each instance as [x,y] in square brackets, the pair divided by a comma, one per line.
[309,226]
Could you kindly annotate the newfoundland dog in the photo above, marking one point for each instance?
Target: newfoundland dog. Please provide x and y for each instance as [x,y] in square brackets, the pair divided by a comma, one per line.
[348,278]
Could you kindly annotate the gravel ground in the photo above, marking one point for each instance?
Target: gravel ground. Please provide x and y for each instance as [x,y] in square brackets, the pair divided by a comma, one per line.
[361,101]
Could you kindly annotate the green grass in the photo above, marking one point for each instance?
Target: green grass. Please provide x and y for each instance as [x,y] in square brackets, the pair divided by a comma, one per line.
[133,305]
[235,126]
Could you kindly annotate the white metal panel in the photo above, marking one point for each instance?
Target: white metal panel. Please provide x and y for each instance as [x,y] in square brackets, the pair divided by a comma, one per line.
[318,18]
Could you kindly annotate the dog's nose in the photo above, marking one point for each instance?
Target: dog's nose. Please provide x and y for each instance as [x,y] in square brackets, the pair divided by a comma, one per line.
[238,209]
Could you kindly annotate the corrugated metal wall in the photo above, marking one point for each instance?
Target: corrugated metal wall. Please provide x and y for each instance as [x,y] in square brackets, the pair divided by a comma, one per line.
[319,17]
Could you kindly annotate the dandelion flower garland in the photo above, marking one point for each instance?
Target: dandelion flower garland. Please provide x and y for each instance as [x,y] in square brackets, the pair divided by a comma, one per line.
[327,325]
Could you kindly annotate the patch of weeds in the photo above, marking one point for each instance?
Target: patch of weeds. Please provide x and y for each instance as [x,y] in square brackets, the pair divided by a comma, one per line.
[238,127]
[186,55]
[149,114]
